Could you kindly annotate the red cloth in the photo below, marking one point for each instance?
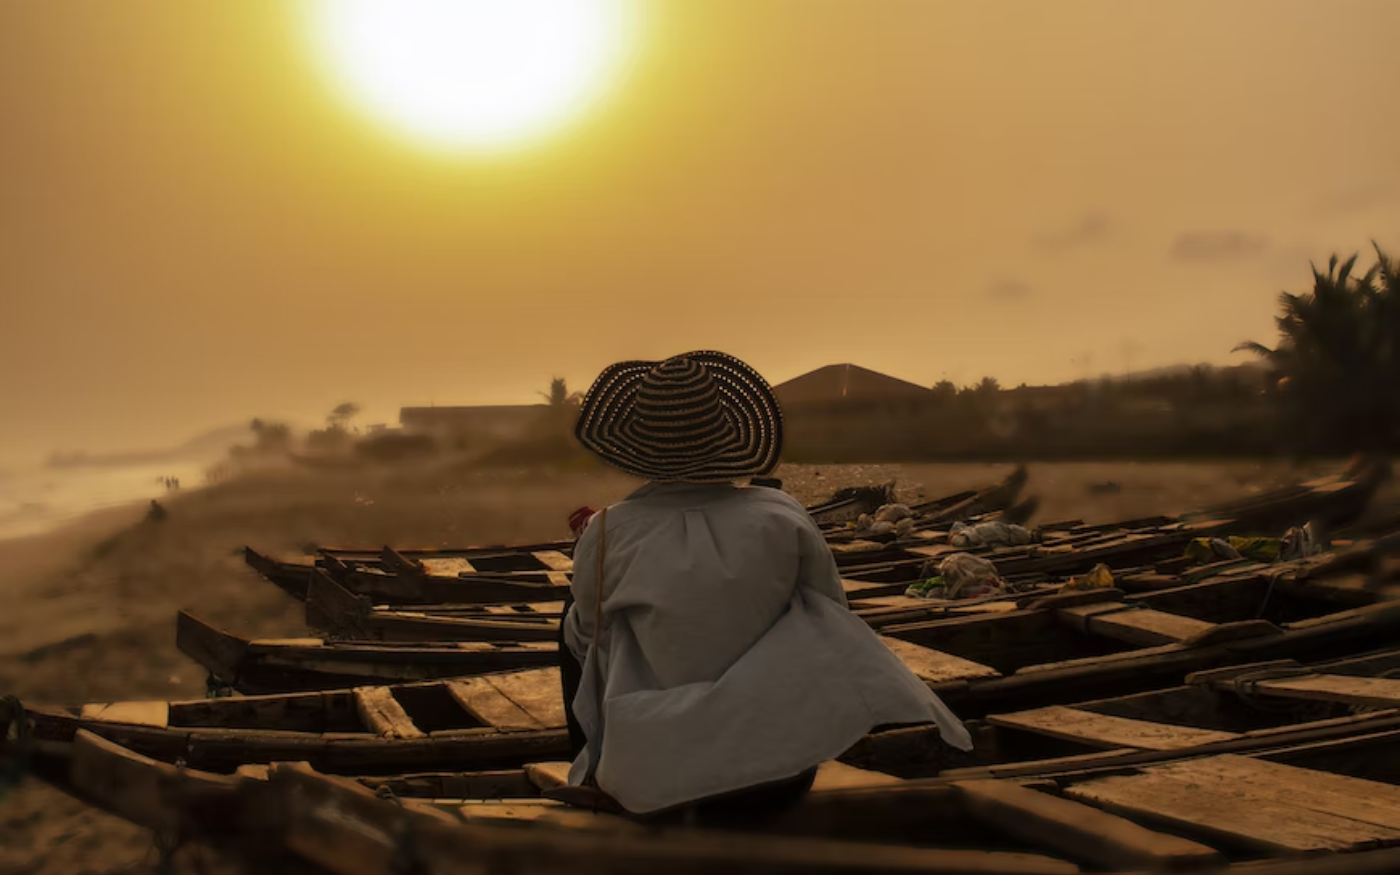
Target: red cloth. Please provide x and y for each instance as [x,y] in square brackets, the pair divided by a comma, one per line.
[579,518]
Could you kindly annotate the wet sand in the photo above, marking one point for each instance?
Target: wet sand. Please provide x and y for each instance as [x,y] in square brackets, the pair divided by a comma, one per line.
[89,610]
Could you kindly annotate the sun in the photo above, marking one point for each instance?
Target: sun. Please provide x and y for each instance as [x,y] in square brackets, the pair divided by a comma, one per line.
[473,75]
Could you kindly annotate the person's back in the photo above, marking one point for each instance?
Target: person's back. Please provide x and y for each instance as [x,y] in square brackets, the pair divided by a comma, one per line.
[703,571]
[709,649]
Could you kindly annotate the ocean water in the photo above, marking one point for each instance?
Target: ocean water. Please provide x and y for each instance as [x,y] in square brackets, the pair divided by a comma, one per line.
[37,500]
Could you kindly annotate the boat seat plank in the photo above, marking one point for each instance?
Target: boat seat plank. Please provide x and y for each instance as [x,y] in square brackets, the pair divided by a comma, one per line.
[1370,802]
[548,776]
[834,775]
[451,566]
[1146,627]
[382,714]
[1079,831]
[554,560]
[538,692]
[1376,692]
[1107,731]
[155,714]
[480,698]
[1280,816]
[278,643]
[558,578]
[548,812]
[935,666]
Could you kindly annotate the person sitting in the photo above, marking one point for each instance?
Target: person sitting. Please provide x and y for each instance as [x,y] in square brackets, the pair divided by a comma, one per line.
[709,659]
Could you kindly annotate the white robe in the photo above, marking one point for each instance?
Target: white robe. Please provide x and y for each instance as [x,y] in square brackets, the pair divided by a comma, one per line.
[728,656]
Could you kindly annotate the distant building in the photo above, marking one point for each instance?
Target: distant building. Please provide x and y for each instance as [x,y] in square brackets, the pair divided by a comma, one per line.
[503,422]
[848,387]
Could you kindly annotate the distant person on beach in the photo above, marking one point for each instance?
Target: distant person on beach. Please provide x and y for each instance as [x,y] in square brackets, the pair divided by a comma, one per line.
[709,659]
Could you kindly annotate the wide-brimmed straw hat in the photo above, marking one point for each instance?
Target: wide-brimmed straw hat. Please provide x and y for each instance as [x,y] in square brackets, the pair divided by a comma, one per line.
[702,417]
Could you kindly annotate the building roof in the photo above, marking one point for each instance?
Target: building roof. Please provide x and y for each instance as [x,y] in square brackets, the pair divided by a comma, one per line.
[834,383]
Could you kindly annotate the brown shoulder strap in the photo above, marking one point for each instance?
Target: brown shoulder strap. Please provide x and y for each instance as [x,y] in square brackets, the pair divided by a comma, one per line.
[598,581]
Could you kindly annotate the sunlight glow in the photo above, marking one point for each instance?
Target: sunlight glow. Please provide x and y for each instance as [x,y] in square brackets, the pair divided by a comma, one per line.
[473,74]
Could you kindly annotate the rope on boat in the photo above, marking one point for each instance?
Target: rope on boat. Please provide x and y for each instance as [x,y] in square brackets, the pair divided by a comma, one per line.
[406,859]
[1246,686]
[214,688]
[11,773]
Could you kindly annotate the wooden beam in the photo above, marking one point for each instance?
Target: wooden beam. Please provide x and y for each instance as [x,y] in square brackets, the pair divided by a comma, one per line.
[382,714]
[1079,831]
[1107,731]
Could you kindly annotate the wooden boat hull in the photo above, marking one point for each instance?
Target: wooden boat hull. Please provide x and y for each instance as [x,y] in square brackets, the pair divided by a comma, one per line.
[867,827]
[281,666]
[499,720]
[1184,794]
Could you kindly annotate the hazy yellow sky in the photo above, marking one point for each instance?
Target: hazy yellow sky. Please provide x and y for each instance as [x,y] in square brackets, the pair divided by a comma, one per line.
[195,230]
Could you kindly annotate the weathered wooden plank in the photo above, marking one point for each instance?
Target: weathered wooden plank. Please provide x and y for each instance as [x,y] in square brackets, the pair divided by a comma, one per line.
[155,714]
[554,560]
[484,701]
[548,776]
[1079,831]
[538,692]
[1370,802]
[383,715]
[1251,813]
[259,644]
[835,775]
[935,666]
[451,566]
[1377,692]
[1146,627]
[1103,730]
[547,812]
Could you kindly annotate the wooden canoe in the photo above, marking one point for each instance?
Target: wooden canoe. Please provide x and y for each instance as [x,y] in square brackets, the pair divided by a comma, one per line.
[523,573]
[1219,813]
[302,664]
[1334,501]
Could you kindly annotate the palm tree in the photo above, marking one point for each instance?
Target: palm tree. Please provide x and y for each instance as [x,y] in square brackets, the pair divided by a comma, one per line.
[342,414]
[559,395]
[1338,356]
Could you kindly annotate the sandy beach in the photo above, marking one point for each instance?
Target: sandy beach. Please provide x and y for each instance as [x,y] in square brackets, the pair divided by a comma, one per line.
[90,608]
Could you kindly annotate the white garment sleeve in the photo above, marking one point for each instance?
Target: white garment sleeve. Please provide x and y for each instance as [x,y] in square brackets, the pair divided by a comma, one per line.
[816,563]
[578,624]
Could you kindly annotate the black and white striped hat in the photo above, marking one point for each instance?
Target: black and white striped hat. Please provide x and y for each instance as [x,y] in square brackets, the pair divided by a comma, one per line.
[702,417]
